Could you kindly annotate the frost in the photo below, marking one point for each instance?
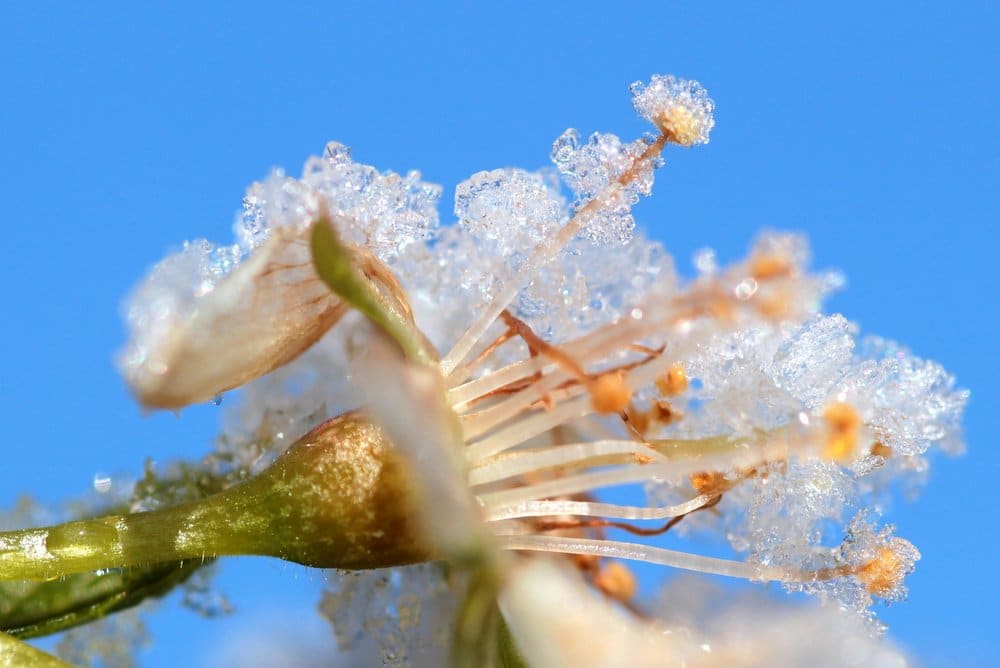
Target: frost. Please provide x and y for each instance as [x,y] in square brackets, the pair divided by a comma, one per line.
[388,211]
[513,207]
[681,105]
[591,169]
[403,616]
[112,642]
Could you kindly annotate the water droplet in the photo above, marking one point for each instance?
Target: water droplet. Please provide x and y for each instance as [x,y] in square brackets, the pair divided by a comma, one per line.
[74,538]
[102,483]
[705,262]
[746,289]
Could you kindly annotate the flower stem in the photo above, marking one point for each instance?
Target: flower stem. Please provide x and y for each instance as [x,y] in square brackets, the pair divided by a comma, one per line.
[338,498]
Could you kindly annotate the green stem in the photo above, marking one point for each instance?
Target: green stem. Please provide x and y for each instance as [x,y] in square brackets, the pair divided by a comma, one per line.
[338,498]
[16,653]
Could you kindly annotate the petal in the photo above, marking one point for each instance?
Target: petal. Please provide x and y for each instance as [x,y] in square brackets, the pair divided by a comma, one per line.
[556,620]
[408,402]
[265,313]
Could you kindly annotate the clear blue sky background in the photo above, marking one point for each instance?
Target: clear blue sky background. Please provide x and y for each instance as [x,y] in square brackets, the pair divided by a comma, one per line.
[125,130]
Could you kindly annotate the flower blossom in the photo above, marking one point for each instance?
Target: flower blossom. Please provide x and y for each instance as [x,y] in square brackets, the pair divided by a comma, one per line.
[560,358]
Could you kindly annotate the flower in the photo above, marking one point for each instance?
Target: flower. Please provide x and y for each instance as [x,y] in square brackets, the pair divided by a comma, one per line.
[540,352]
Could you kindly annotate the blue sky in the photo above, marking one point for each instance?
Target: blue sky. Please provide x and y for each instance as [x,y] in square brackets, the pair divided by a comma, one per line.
[870,126]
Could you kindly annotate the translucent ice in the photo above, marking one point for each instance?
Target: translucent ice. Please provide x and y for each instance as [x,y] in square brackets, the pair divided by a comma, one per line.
[681,105]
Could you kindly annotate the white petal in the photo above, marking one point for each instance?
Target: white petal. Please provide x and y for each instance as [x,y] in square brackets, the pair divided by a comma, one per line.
[270,309]
[556,620]
[408,401]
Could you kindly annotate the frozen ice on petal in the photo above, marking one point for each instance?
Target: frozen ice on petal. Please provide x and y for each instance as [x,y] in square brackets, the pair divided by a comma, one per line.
[810,362]
[556,620]
[511,205]
[388,211]
[195,336]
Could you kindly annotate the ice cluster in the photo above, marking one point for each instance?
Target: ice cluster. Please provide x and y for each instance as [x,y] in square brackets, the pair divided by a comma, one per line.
[398,617]
[592,170]
[683,105]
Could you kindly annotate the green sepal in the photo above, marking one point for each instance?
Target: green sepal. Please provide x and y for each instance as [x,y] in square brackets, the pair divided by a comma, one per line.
[475,642]
[508,655]
[35,609]
[334,263]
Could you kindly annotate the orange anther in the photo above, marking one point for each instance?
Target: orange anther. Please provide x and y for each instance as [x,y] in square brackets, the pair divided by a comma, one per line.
[764,267]
[674,381]
[707,482]
[617,581]
[882,574]
[609,393]
[844,425]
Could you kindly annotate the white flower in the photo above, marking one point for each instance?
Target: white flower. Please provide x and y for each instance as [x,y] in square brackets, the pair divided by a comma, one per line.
[572,361]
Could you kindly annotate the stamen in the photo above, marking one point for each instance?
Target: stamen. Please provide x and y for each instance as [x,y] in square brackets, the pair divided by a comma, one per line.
[596,509]
[844,426]
[543,253]
[650,554]
[529,427]
[609,393]
[616,581]
[674,381]
[575,484]
[590,453]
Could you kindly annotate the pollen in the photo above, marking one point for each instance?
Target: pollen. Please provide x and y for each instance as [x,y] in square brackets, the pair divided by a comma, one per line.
[707,482]
[680,125]
[609,393]
[883,575]
[674,381]
[617,581]
[880,449]
[844,426]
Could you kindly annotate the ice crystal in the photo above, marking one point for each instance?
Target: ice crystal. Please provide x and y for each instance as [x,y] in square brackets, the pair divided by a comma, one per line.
[590,169]
[402,616]
[682,104]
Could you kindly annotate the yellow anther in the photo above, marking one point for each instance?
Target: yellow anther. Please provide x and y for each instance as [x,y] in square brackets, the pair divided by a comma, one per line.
[883,574]
[707,482]
[880,449]
[617,581]
[638,420]
[674,381]
[844,427]
[609,393]
[680,126]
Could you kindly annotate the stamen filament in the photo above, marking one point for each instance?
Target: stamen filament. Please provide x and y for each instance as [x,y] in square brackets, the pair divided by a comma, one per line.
[596,509]
[543,253]
[653,555]
[589,453]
